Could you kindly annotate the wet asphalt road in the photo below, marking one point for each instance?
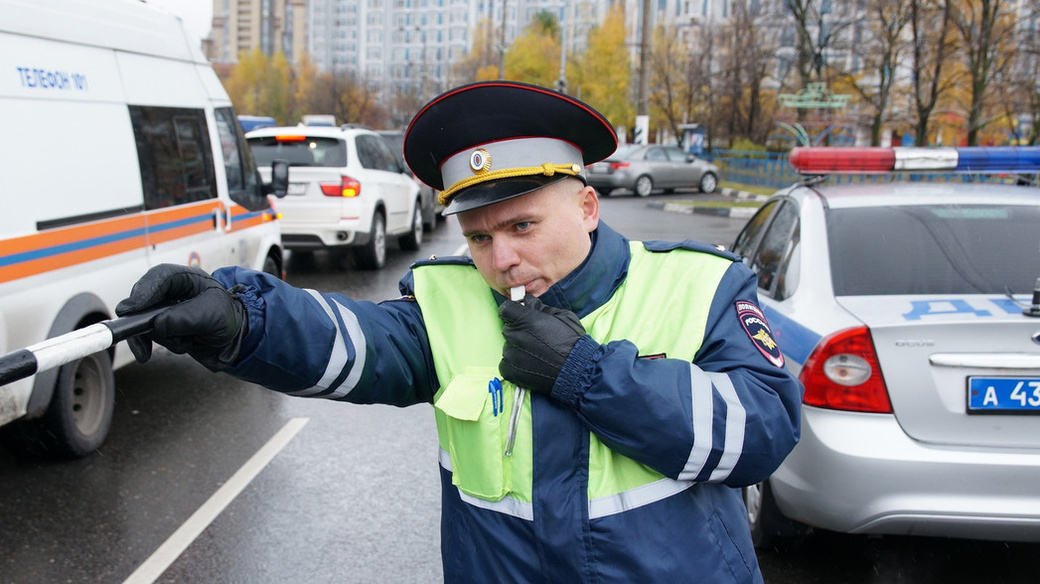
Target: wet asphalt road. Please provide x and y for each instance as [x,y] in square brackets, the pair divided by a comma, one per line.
[353,495]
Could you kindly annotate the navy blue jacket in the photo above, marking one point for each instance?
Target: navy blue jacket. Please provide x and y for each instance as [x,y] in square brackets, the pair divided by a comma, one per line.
[304,343]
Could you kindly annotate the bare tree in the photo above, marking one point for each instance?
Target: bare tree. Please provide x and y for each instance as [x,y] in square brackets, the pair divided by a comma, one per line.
[346,97]
[982,25]
[681,76]
[814,32]
[746,57]
[877,46]
[1023,97]
[930,44]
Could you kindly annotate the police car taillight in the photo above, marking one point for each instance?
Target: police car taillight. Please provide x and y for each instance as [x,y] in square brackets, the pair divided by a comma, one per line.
[842,373]
[873,160]
[346,187]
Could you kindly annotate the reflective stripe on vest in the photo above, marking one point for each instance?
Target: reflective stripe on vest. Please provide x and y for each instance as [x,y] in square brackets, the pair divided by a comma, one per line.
[662,308]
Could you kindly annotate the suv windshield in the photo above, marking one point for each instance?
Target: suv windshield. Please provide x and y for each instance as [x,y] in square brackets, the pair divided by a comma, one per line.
[299,150]
[948,249]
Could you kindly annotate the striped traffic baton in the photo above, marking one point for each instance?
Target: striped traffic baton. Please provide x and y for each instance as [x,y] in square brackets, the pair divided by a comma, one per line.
[58,351]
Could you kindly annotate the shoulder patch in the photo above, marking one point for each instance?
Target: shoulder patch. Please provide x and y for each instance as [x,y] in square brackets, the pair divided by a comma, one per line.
[459,260]
[755,325]
[407,283]
[689,245]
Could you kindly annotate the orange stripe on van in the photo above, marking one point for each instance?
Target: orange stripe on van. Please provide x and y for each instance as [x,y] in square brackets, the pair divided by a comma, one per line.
[54,249]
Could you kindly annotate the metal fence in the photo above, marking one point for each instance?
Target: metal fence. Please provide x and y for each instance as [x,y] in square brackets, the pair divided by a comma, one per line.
[771,170]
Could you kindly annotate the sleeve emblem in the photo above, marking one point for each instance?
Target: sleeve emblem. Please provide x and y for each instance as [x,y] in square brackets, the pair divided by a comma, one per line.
[755,325]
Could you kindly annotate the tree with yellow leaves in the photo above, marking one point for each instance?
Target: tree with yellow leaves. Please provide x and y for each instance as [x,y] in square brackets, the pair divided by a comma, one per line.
[481,62]
[604,76]
[534,56]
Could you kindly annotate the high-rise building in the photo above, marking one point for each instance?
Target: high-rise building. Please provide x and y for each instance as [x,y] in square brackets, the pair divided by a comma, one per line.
[413,45]
[242,25]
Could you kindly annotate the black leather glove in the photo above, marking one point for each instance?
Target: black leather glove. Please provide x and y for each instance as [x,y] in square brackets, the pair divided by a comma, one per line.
[204,319]
[538,340]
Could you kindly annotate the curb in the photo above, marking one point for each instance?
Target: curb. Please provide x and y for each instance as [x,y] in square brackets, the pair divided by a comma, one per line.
[726,192]
[735,212]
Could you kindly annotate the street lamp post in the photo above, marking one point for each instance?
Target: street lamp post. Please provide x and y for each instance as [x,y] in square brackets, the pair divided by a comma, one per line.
[502,45]
[643,103]
[561,83]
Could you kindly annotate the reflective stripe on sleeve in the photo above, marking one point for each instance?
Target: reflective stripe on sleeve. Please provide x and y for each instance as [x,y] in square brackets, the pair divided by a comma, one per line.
[340,355]
[355,337]
[704,386]
[506,505]
[702,421]
[637,497]
[736,419]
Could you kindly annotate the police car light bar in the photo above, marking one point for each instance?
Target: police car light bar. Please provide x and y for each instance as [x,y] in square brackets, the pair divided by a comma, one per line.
[874,160]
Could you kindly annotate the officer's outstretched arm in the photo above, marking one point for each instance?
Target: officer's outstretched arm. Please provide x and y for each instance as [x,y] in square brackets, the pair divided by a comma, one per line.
[300,342]
[311,344]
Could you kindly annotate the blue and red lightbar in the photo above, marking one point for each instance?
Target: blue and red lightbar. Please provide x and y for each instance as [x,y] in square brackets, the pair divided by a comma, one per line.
[874,160]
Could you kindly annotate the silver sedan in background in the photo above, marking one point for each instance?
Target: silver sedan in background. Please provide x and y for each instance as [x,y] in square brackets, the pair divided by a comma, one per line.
[644,168]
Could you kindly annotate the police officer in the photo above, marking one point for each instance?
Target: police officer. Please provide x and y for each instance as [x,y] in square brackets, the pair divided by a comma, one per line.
[594,427]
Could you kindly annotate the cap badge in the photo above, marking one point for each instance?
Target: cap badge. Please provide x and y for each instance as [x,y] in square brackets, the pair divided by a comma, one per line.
[480,161]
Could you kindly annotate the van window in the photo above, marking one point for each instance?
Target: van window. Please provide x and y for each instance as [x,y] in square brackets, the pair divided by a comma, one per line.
[173,151]
[243,186]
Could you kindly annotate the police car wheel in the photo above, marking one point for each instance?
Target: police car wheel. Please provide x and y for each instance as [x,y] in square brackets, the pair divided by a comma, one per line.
[769,527]
[644,186]
[78,418]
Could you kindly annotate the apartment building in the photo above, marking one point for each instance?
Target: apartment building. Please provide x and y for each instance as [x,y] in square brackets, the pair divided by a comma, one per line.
[242,25]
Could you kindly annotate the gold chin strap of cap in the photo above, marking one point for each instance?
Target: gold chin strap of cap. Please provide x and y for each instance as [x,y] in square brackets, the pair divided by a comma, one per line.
[547,169]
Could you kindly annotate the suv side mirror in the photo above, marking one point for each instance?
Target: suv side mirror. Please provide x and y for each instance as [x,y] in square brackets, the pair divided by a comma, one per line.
[279,179]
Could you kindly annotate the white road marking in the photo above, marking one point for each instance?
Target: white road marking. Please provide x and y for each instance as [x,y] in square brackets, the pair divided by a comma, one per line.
[169,551]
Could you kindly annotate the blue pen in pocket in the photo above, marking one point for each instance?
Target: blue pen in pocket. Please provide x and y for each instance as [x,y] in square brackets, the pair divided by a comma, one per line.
[495,389]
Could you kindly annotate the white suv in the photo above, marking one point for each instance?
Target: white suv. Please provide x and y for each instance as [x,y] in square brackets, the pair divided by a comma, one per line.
[347,189]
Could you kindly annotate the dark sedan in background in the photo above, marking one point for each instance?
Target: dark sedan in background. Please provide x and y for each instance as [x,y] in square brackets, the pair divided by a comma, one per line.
[644,168]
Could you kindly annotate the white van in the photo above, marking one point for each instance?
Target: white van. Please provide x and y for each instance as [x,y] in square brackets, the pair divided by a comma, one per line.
[119,151]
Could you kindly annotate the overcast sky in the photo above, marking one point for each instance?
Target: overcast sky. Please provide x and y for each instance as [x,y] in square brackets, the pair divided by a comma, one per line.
[197,14]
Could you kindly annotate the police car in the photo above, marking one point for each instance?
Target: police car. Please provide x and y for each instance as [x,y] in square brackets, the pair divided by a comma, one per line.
[911,313]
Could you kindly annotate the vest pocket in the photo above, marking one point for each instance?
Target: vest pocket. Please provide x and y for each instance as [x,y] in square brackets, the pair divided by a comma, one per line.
[476,436]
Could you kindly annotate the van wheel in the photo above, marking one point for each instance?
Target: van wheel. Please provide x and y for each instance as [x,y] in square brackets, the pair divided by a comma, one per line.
[271,267]
[372,255]
[78,418]
[413,239]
